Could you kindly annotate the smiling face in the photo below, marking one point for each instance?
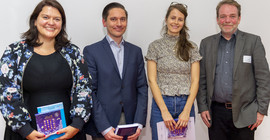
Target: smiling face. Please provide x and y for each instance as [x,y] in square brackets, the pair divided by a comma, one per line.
[48,23]
[175,22]
[228,19]
[116,23]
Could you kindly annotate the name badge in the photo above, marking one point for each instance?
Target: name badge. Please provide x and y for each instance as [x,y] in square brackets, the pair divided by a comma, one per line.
[246,59]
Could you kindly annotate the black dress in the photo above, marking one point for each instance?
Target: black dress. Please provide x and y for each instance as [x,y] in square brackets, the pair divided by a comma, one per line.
[47,79]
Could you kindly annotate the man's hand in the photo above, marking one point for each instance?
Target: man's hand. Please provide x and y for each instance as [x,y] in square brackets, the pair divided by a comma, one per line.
[258,122]
[205,115]
[111,136]
[35,135]
[69,132]
[136,135]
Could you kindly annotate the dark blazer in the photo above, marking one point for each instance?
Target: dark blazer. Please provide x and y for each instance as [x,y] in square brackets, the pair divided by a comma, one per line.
[251,81]
[110,92]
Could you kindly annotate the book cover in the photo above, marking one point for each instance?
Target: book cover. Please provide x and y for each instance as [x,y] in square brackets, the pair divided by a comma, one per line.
[50,119]
[49,123]
[126,130]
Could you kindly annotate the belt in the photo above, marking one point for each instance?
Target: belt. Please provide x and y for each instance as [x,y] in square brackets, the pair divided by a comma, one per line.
[227,105]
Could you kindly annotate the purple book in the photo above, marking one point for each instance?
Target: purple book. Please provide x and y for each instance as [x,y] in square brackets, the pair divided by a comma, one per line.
[178,132]
[126,130]
[49,123]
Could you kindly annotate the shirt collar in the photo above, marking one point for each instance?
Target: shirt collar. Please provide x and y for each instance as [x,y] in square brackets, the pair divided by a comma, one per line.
[111,41]
[233,35]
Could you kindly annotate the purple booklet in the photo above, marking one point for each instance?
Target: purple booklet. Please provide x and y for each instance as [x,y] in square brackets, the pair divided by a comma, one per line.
[126,130]
[178,132]
[49,123]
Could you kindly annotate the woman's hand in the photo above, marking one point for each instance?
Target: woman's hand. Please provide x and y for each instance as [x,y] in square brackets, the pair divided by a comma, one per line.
[35,135]
[168,120]
[183,119]
[69,132]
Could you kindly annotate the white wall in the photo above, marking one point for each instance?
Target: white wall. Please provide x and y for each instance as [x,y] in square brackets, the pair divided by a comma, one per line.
[84,27]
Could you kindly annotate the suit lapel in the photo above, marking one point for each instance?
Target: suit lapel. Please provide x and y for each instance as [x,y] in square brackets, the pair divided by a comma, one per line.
[109,52]
[214,48]
[239,45]
[126,54]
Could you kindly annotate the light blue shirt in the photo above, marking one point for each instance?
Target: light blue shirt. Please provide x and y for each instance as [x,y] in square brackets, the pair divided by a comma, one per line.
[118,52]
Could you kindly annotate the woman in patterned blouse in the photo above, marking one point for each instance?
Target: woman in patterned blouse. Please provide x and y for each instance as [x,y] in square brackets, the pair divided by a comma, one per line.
[44,69]
[173,72]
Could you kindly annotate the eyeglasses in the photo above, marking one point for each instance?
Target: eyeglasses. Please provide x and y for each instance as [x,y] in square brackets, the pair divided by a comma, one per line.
[175,3]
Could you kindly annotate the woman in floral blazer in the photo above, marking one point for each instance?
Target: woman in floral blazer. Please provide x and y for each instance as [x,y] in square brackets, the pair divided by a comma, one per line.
[45,37]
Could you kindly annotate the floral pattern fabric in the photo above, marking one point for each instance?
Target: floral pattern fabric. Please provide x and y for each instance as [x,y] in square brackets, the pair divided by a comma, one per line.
[12,66]
[173,74]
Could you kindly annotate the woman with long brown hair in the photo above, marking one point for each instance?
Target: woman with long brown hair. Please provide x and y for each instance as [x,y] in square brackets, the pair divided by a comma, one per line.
[173,72]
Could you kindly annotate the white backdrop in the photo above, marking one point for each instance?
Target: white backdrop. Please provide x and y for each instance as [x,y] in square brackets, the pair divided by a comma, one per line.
[84,26]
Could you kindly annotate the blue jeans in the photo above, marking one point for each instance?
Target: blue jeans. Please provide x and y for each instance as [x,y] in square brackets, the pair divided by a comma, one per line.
[175,105]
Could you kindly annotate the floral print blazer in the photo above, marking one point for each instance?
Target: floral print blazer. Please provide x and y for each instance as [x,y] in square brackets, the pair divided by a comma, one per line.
[12,65]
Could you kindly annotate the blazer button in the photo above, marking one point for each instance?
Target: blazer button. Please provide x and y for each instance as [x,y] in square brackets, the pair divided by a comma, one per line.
[121,103]
[122,87]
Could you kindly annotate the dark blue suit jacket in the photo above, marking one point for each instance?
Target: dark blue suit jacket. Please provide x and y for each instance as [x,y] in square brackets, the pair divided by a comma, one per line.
[110,92]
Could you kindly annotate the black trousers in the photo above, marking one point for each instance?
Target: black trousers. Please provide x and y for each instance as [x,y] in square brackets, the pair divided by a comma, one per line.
[222,127]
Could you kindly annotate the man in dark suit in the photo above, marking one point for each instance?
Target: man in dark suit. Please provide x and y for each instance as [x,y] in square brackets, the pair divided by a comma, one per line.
[234,87]
[120,90]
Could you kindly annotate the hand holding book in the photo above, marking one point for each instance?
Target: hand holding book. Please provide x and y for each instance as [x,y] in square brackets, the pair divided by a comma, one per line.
[111,135]
[178,132]
[186,133]
[36,135]
[67,132]
[126,130]
[136,135]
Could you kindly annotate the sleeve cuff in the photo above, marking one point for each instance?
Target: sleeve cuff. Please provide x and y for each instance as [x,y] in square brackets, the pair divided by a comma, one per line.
[106,131]
[77,122]
[140,126]
[25,130]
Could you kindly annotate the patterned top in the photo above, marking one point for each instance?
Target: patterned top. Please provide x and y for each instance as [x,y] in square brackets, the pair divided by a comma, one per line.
[173,75]
[12,66]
